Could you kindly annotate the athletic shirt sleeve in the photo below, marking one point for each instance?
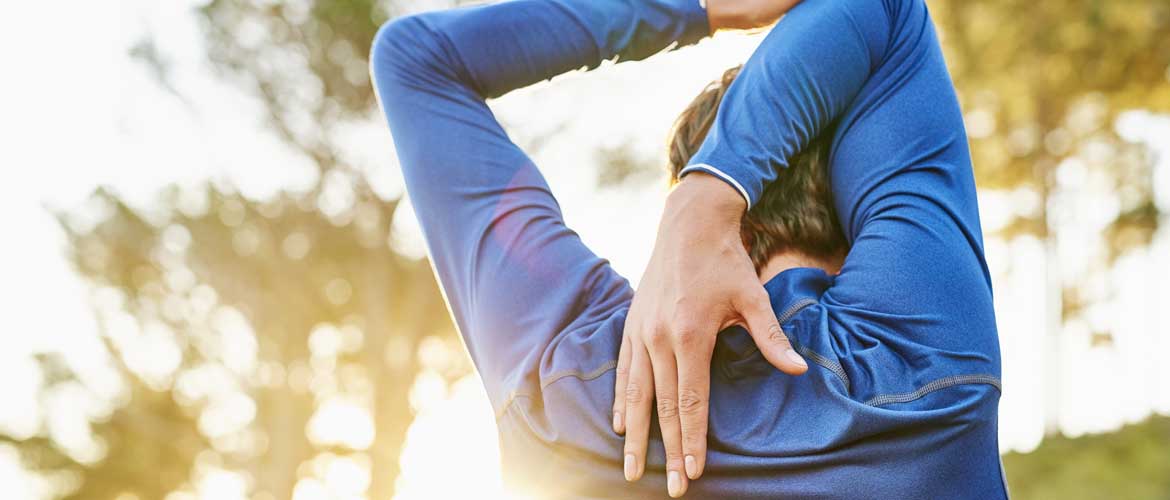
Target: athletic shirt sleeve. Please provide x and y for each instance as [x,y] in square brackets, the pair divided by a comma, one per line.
[513,275]
[803,76]
[872,74]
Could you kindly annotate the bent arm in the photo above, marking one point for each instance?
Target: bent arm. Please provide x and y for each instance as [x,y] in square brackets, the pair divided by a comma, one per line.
[513,274]
[915,278]
[802,77]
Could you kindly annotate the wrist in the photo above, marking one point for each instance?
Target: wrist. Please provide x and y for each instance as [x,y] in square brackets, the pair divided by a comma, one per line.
[745,14]
[716,14]
[714,198]
[725,14]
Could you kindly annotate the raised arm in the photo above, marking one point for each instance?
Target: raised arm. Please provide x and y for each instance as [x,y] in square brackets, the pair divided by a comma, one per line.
[902,182]
[801,79]
[900,167]
[513,274]
[806,75]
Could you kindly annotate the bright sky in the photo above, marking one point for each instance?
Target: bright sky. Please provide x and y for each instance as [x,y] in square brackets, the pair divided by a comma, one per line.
[80,114]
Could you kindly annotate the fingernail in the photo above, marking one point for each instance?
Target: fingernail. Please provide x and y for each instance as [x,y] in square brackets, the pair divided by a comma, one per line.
[792,355]
[617,422]
[674,484]
[692,467]
[631,468]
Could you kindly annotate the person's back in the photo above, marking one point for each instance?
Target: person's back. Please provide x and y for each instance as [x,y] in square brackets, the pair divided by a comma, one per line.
[821,435]
[902,395]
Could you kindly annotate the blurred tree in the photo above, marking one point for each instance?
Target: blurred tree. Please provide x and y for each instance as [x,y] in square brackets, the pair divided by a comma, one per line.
[1042,83]
[277,312]
[306,62]
[152,430]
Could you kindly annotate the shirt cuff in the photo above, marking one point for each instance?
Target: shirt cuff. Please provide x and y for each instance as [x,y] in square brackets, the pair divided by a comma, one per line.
[720,174]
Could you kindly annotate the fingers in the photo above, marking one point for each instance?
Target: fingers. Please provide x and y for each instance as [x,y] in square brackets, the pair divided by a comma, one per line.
[769,337]
[694,390]
[619,386]
[638,393]
[666,401]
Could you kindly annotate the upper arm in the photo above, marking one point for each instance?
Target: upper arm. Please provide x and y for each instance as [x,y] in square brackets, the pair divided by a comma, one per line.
[513,274]
[905,191]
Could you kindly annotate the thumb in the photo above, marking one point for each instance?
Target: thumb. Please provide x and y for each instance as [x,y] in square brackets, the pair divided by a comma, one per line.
[769,337]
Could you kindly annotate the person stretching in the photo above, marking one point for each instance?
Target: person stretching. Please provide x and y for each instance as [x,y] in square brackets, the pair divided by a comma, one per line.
[901,391]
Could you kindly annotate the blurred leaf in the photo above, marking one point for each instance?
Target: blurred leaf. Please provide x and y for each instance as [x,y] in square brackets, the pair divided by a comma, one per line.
[1131,463]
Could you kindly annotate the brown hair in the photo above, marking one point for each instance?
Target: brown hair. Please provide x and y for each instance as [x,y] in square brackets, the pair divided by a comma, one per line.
[794,213]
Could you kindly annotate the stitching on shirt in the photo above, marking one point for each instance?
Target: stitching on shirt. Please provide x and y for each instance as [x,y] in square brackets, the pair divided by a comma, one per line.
[826,363]
[783,318]
[610,365]
[942,383]
[880,400]
[795,308]
[508,404]
[584,377]
[577,374]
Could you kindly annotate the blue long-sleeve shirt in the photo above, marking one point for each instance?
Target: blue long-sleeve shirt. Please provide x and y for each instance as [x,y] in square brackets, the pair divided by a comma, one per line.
[901,398]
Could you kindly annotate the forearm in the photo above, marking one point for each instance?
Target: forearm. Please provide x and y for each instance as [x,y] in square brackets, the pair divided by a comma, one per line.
[497,48]
[440,66]
[745,14]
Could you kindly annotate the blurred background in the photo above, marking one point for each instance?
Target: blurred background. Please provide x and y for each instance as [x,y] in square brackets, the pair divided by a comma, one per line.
[216,289]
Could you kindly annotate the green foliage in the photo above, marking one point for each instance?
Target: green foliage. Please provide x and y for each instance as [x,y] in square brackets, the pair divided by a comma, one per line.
[1131,464]
[1041,82]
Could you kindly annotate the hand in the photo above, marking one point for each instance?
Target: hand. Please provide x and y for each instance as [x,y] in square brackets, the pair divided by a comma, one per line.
[699,281]
[745,14]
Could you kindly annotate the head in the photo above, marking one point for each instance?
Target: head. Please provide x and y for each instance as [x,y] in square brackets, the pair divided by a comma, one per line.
[794,220]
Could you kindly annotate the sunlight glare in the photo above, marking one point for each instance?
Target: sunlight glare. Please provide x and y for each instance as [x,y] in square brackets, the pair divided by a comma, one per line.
[451,449]
[341,421]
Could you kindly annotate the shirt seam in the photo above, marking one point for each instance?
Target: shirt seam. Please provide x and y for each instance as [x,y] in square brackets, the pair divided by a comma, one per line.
[935,385]
[583,376]
[876,401]
[825,362]
[555,377]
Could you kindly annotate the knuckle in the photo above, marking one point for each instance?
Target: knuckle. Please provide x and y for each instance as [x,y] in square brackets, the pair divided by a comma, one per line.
[687,320]
[622,370]
[667,408]
[752,296]
[776,335]
[686,337]
[658,341]
[634,394]
[690,402]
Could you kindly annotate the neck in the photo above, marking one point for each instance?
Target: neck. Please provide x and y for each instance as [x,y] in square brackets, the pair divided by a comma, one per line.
[786,260]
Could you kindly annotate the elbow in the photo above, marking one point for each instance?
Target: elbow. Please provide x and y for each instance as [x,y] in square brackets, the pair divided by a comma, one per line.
[401,52]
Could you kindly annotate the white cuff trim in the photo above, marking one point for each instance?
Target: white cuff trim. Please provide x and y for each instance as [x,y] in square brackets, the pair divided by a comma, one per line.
[719,173]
